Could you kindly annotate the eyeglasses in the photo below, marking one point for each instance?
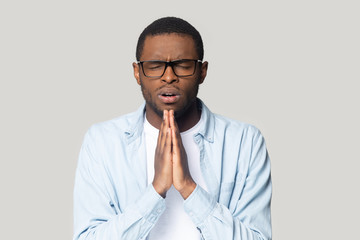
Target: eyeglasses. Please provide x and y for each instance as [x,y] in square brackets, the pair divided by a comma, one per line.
[181,68]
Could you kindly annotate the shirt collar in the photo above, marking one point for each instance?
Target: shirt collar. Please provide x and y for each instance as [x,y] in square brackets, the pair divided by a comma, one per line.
[207,129]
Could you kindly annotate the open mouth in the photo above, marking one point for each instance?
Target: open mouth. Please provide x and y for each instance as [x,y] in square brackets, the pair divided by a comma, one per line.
[169,97]
[168,94]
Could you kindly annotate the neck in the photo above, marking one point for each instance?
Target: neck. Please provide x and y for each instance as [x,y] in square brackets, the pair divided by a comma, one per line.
[185,121]
[189,118]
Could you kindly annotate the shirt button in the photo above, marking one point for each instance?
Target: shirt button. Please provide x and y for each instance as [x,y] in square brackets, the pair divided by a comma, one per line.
[158,211]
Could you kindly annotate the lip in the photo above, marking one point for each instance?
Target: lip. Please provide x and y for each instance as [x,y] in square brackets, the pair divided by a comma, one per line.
[169,96]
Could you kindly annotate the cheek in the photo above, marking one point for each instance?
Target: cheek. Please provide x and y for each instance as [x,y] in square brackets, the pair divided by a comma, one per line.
[146,91]
[193,89]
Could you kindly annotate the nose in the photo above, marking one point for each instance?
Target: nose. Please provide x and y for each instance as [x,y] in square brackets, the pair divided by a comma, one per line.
[169,75]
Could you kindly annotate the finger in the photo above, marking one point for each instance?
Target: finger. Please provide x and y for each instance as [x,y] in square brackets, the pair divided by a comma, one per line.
[166,118]
[174,123]
[172,119]
[160,132]
[174,129]
[168,141]
[179,154]
[175,145]
[165,131]
[161,136]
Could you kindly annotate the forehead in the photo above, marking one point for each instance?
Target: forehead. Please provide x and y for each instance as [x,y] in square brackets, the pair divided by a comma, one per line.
[169,47]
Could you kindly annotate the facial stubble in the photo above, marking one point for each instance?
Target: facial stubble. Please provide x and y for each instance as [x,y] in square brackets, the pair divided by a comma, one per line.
[151,103]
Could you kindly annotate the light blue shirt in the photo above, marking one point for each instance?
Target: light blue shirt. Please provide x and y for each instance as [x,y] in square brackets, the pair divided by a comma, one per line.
[112,199]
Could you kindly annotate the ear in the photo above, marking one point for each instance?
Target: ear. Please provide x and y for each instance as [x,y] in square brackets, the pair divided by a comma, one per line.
[204,67]
[136,72]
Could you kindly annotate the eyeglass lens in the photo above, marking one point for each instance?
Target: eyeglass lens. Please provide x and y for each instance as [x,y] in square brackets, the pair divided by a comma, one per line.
[180,68]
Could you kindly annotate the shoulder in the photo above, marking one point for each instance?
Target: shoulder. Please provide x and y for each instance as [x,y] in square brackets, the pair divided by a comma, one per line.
[242,139]
[235,127]
[226,129]
[116,127]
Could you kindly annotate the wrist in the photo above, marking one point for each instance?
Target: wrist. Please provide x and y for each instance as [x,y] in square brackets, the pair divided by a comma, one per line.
[187,189]
[161,191]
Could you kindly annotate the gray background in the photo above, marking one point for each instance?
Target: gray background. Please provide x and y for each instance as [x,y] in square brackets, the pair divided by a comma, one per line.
[289,67]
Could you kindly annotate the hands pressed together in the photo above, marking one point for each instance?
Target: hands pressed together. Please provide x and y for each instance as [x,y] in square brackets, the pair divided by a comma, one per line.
[171,165]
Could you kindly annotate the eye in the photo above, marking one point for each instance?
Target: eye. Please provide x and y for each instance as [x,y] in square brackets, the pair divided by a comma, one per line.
[153,65]
[184,64]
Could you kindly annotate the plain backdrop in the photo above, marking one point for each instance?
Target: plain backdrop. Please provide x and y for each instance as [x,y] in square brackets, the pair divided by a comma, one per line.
[291,68]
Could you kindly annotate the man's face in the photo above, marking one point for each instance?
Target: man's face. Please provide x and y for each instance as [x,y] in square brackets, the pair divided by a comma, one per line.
[169,91]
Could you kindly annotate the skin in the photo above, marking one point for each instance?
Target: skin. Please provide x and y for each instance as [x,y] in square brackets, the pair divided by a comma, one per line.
[171,166]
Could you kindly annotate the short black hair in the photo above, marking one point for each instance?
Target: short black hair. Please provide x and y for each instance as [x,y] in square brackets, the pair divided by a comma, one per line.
[169,25]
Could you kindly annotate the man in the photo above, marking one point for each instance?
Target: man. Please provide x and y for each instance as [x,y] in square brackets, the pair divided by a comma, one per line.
[173,169]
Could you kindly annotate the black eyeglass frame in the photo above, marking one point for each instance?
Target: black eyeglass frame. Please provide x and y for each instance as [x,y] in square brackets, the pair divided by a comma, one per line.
[169,63]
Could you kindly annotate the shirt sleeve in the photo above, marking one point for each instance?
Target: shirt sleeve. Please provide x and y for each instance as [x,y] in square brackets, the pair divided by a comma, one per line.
[95,217]
[251,218]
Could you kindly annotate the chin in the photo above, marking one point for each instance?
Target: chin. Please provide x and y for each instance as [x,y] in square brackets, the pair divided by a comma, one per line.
[179,108]
[178,112]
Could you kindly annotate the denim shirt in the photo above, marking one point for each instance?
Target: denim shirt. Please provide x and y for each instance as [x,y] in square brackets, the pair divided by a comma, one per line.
[112,199]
